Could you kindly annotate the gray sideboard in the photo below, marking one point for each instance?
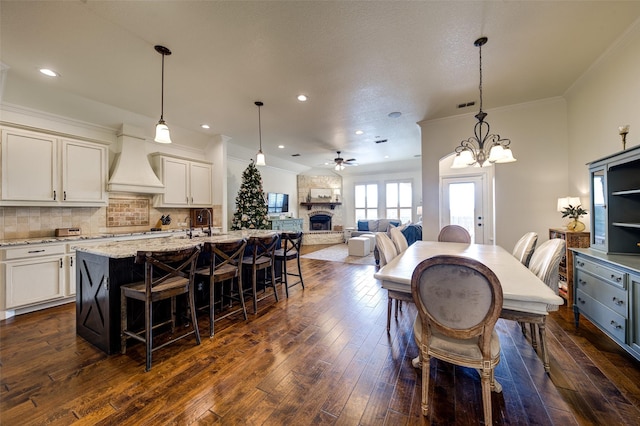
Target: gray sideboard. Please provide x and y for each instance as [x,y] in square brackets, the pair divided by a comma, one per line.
[607,292]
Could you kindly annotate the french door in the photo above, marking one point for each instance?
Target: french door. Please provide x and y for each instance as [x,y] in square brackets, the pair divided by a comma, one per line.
[463,204]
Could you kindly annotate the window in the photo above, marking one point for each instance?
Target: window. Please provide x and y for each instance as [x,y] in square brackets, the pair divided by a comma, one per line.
[399,201]
[366,201]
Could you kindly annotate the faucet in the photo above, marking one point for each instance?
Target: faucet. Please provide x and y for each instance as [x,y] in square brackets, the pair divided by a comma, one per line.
[208,231]
[189,232]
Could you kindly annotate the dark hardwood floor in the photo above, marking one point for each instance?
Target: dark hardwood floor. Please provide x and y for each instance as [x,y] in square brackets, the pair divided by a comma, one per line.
[323,356]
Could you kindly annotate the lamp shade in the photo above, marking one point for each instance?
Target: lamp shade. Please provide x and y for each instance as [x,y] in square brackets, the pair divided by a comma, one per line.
[260,159]
[565,202]
[162,133]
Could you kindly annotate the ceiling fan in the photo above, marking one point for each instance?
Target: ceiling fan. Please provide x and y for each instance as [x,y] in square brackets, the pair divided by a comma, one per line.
[341,162]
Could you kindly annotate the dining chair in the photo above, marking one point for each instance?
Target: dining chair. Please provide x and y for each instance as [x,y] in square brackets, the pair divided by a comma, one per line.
[525,247]
[545,263]
[223,265]
[387,250]
[459,301]
[399,239]
[262,258]
[291,243]
[167,274]
[454,234]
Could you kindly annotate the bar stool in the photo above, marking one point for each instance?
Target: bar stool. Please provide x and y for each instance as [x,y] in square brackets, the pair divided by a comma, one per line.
[167,274]
[261,259]
[224,265]
[291,243]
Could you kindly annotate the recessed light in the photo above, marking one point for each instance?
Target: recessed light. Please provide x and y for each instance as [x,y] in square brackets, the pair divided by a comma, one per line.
[302,98]
[281,146]
[205,126]
[395,114]
[50,73]
[359,132]
[386,156]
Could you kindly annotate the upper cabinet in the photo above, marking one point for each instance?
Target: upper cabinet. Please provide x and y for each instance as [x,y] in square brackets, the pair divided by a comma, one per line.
[41,169]
[187,183]
[615,202]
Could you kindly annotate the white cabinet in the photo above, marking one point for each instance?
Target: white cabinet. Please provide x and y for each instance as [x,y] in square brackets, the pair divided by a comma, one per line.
[187,183]
[39,169]
[33,274]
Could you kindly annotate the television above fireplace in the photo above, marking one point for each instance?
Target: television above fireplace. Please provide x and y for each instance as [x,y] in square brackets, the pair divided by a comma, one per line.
[277,202]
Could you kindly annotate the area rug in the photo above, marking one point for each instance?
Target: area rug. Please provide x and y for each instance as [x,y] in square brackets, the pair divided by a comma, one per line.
[340,253]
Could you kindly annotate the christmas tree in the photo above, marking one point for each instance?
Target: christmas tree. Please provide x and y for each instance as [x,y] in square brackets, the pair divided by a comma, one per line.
[251,207]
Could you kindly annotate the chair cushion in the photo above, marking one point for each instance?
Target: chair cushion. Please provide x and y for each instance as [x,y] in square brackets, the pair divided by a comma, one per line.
[443,345]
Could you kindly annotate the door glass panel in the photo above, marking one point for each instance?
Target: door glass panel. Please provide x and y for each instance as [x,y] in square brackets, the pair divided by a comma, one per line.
[462,206]
[599,222]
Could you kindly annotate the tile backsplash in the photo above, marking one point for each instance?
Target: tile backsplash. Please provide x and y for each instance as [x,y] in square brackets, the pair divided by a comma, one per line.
[33,222]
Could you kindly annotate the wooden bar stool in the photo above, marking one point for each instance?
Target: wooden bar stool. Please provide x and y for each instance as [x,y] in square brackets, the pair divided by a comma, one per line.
[291,243]
[224,265]
[261,259]
[167,274]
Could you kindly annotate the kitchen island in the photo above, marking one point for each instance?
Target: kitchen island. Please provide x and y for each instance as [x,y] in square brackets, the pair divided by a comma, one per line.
[102,269]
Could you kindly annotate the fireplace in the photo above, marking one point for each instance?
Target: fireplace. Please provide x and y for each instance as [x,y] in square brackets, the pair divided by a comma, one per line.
[320,222]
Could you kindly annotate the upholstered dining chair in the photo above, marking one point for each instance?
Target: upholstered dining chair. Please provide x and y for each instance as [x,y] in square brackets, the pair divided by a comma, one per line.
[224,265]
[459,302]
[454,234]
[290,250]
[167,274]
[387,250]
[525,247]
[399,239]
[262,258]
[545,263]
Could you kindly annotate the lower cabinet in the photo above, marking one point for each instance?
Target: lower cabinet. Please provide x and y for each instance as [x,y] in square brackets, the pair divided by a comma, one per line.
[607,291]
[33,275]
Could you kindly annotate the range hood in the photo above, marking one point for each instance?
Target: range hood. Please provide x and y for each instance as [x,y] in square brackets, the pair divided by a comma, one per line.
[132,171]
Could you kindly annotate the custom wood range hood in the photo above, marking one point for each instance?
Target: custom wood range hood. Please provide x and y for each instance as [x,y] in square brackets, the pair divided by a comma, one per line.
[132,171]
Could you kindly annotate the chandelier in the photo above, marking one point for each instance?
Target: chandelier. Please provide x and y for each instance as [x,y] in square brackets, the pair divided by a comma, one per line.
[482,149]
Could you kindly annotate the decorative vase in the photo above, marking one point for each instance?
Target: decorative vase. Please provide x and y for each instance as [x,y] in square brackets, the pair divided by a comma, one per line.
[575,226]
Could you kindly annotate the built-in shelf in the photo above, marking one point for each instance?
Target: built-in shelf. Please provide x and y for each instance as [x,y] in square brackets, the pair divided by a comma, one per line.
[331,205]
[627,192]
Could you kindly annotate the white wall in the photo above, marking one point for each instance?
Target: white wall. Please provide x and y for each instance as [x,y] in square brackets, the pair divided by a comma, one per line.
[606,97]
[526,191]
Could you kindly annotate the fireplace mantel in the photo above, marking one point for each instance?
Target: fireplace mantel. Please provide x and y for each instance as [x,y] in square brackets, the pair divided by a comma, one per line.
[331,205]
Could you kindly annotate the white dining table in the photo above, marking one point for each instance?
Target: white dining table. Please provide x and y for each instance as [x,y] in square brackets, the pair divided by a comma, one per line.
[525,296]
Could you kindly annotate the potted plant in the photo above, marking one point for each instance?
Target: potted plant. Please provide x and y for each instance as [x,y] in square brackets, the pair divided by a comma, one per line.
[575,213]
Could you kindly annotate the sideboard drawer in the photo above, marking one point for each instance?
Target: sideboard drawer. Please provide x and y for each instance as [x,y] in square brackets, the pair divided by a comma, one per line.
[609,321]
[608,294]
[611,275]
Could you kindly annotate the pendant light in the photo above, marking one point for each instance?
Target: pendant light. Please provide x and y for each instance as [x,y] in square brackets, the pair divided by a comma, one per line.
[482,149]
[162,131]
[260,156]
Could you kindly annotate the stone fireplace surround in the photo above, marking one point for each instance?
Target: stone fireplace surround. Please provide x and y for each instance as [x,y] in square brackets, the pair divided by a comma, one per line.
[333,236]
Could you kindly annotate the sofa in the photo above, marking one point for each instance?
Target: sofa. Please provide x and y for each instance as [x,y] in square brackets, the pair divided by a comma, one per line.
[412,232]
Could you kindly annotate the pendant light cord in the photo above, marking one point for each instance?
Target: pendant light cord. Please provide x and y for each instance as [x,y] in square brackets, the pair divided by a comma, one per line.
[259,128]
[162,92]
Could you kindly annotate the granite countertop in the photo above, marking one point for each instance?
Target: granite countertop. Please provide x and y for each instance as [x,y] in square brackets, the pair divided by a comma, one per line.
[123,249]
[53,239]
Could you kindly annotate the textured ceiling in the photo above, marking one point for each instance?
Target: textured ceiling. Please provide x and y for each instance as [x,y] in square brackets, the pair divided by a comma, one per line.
[356,61]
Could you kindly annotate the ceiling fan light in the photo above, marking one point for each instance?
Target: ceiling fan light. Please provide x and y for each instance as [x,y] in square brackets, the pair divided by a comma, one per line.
[162,133]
